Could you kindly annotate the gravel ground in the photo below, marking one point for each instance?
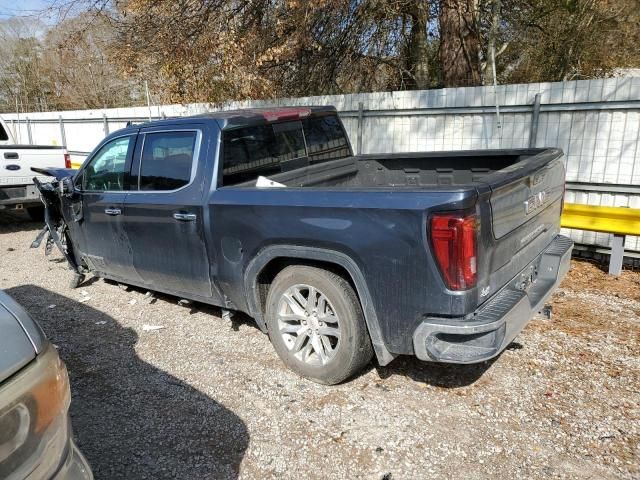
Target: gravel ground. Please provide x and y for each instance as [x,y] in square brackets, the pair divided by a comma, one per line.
[203,398]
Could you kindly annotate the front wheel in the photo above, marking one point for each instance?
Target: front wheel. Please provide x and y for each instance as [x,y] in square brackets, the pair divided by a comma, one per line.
[316,324]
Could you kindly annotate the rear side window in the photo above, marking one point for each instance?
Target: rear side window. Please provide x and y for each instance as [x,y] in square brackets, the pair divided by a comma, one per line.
[3,134]
[264,150]
[167,160]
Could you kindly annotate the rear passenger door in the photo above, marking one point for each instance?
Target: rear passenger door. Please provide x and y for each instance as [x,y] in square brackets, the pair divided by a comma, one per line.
[163,212]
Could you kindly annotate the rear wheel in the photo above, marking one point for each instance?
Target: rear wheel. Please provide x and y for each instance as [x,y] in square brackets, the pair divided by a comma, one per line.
[316,324]
[36,213]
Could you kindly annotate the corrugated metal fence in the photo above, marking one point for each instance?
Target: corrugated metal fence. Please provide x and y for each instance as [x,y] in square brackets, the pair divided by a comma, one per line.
[595,122]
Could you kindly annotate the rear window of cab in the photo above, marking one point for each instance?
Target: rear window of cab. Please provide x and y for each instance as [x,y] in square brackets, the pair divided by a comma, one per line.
[268,149]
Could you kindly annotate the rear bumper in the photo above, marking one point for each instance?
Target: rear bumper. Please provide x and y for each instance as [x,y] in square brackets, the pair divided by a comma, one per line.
[26,195]
[499,320]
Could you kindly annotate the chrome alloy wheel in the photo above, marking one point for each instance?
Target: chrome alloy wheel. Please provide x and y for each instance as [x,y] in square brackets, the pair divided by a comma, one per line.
[308,324]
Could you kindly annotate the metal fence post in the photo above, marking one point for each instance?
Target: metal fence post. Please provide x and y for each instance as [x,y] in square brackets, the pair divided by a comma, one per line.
[360,127]
[63,135]
[535,115]
[105,124]
[617,255]
[29,135]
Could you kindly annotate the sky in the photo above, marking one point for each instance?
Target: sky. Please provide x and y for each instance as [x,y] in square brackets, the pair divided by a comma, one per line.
[13,8]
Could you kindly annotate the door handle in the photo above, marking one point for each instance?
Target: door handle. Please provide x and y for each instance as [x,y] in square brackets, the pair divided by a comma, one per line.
[112,211]
[185,217]
[11,155]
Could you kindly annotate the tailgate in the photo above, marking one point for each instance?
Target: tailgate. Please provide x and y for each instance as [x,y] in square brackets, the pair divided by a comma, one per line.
[16,162]
[523,204]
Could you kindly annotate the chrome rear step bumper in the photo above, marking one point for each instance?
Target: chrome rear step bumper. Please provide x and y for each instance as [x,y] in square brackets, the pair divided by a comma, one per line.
[499,320]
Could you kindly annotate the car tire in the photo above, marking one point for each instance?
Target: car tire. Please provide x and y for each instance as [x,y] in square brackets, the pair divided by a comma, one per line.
[36,213]
[324,339]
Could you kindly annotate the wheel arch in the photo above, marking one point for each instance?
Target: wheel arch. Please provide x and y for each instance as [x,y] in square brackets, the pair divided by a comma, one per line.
[271,260]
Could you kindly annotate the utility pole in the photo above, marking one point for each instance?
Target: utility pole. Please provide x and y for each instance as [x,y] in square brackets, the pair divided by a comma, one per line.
[492,48]
[16,132]
[146,88]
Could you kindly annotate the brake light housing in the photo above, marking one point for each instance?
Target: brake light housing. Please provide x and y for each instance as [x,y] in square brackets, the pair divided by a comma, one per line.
[67,160]
[453,239]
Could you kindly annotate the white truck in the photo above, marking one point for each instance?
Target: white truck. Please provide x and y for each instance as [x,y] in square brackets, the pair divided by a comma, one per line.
[17,190]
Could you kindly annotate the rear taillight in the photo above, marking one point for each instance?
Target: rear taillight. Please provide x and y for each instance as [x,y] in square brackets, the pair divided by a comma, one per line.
[453,237]
[67,160]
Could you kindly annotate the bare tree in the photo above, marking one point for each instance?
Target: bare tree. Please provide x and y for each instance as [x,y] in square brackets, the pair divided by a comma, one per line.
[460,43]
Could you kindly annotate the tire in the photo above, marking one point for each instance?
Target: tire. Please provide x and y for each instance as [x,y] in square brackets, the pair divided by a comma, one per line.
[338,327]
[36,213]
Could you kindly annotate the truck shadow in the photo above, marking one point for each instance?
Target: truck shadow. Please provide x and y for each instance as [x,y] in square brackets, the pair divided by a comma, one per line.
[237,319]
[437,374]
[131,419]
[17,221]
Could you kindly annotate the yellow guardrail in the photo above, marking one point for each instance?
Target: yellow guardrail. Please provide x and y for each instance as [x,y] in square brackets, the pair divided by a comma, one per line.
[616,220]
[619,221]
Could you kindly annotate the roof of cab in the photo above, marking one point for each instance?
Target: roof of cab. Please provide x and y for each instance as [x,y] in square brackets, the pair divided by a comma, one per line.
[245,117]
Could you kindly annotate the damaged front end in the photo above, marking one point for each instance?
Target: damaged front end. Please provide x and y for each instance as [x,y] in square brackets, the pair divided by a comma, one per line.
[56,195]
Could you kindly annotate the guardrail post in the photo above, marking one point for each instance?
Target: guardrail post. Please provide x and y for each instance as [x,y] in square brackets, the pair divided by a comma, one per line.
[105,124]
[535,115]
[63,135]
[617,255]
[360,127]
[29,135]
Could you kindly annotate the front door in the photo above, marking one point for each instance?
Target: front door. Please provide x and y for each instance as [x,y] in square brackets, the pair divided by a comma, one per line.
[97,207]
[164,211]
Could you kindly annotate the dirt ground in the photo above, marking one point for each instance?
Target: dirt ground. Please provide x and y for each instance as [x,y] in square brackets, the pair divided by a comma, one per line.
[203,398]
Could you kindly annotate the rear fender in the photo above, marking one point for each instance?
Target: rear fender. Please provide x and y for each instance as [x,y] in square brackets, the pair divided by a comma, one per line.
[383,355]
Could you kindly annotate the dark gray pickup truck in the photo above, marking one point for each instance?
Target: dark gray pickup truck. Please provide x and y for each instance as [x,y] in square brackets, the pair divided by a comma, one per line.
[442,255]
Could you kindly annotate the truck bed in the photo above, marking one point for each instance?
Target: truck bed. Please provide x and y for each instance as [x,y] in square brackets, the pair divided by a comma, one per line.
[406,170]
[373,195]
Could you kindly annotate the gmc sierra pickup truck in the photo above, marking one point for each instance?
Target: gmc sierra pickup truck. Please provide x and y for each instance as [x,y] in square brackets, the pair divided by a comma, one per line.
[442,255]
[17,191]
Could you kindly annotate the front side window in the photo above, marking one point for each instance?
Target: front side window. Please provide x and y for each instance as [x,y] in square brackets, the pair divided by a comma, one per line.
[105,171]
[167,160]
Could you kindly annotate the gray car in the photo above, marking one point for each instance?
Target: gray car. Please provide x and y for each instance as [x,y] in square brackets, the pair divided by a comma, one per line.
[35,430]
